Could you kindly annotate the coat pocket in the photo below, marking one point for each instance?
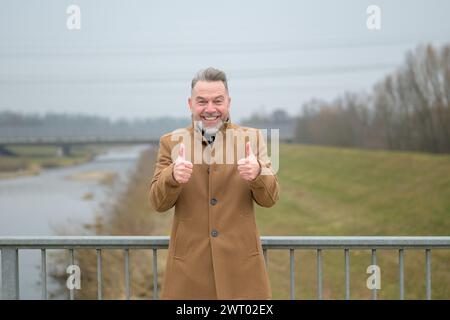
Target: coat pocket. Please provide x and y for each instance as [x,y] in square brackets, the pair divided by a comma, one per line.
[248,234]
[181,241]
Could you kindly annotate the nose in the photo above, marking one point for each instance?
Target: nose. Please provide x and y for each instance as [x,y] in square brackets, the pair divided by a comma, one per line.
[209,107]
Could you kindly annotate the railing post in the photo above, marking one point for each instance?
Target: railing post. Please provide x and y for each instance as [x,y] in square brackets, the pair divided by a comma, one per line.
[10,274]
[319,274]
[44,274]
[127,273]
[292,272]
[99,275]
[155,274]
[402,274]
[266,258]
[374,262]
[72,262]
[428,272]
[347,273]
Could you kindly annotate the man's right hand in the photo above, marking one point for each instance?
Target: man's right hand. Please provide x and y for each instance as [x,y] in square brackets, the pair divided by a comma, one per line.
[182,170]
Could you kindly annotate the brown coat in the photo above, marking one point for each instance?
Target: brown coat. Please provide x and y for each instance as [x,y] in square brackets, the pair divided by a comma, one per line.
[215,250]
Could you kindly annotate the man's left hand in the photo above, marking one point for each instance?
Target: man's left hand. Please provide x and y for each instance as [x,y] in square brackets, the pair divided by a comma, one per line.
[249,167]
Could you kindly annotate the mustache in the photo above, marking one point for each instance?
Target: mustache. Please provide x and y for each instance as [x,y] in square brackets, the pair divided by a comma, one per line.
[207,114]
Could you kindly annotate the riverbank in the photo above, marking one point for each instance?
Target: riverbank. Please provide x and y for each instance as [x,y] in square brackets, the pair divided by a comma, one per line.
[31,160]
[125,213]
[59,199]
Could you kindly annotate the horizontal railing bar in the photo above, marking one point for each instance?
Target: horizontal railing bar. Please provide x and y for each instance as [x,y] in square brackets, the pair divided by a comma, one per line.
[352,242]
[87,246]
[64,242]
[268,242]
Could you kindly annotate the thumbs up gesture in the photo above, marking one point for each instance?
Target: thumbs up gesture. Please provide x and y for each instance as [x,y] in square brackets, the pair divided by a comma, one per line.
[182,170]
[249,167]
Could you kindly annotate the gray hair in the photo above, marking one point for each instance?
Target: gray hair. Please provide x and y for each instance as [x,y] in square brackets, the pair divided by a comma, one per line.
[210,74]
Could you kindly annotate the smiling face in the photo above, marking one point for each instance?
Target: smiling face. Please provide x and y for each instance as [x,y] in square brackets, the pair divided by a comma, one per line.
[209,104]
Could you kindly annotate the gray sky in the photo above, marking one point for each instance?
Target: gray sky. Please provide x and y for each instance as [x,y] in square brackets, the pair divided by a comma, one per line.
[136,58]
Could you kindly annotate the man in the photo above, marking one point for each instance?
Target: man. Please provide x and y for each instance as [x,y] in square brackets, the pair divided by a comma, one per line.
[213,177]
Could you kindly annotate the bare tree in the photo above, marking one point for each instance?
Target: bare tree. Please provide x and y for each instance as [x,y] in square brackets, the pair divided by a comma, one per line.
[408,110]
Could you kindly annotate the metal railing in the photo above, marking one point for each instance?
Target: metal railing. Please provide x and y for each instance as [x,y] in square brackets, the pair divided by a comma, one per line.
[10,247]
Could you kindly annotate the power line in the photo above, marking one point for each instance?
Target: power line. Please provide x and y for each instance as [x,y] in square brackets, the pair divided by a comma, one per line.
[193,49]
[158,78]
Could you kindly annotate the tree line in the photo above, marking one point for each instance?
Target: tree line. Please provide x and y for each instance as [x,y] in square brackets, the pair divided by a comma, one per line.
[16,125]
[408,110]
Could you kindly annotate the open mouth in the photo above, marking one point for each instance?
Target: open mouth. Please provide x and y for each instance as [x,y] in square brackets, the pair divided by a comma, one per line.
[210,118]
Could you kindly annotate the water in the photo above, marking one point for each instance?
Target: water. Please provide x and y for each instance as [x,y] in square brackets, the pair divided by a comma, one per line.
[50,202]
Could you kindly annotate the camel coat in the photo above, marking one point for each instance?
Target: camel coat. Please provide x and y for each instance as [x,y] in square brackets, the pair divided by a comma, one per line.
[214,250]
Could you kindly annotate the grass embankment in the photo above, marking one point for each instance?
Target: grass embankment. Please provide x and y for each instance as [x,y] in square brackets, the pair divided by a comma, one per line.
[324,191]
[30,160]
[338,191]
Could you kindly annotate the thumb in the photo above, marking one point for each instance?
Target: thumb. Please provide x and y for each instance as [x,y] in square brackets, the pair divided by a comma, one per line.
[248,150]
[181,152]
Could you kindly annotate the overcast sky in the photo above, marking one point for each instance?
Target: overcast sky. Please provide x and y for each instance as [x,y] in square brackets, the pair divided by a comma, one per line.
[136,59]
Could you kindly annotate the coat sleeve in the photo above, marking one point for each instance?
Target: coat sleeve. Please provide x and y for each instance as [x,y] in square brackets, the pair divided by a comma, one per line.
[164,189]
[265,188]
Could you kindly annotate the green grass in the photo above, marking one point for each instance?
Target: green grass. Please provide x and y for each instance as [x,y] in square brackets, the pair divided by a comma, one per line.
[339,191]
[31,159]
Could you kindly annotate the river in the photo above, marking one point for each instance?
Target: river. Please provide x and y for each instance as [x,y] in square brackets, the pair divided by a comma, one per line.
[50,202]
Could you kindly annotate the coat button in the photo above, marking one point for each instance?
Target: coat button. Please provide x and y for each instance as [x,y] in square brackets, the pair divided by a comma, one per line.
[213,201]
[214,233]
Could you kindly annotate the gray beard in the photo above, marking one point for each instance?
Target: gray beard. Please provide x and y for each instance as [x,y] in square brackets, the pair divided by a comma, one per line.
[209,131]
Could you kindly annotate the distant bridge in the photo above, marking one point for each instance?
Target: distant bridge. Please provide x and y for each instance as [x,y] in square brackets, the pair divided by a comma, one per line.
[65,143]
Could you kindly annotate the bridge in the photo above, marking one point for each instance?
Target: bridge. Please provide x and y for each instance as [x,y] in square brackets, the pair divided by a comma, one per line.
[65,143]
[10,247]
